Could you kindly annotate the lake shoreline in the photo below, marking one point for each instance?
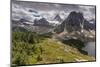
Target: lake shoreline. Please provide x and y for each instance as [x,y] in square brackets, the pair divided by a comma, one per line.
[90,47]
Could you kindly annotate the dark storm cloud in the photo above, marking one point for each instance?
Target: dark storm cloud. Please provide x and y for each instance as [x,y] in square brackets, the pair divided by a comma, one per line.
[46,6]
[50,9]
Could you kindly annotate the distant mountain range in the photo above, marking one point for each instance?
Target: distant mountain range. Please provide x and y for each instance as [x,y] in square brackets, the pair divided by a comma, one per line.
[75,23]
[41,22]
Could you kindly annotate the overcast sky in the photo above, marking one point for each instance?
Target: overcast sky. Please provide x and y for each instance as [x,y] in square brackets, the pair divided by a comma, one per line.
[49,10]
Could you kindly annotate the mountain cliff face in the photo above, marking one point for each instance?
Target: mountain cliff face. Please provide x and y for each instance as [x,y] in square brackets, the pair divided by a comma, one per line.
[75,26]
[73,21]
[76,22]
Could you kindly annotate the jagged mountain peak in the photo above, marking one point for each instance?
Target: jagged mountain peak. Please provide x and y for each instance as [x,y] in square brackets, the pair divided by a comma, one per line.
[75,17]
[75,22]
[57,18]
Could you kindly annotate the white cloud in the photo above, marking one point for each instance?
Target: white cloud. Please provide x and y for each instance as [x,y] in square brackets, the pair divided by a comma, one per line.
[88,11]
[19,12]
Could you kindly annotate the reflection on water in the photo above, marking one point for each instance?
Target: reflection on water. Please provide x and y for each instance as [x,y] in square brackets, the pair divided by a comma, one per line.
[90,48]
